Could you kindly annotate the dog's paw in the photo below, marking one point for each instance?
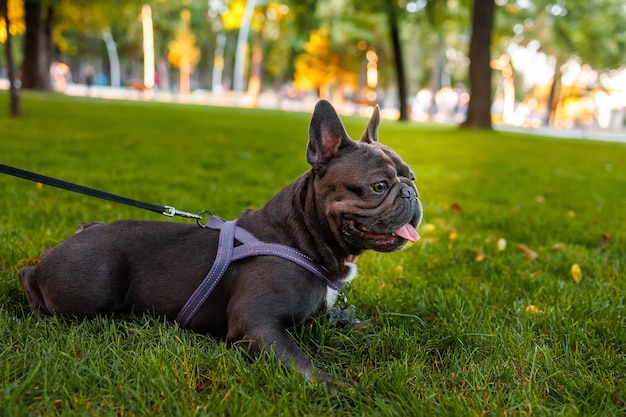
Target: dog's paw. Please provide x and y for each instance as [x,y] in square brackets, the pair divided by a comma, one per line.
[333,384]
[347,317]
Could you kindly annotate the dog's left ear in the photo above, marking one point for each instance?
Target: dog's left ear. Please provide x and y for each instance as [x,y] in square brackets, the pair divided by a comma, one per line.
[326,135]
[371,132]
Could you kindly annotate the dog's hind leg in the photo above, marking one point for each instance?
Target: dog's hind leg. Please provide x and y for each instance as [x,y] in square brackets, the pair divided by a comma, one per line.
[28,278]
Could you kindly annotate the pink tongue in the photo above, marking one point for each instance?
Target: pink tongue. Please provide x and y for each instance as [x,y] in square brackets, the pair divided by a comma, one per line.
[408,232]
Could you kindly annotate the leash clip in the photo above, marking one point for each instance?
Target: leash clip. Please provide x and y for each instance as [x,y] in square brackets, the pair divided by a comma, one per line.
[171,212]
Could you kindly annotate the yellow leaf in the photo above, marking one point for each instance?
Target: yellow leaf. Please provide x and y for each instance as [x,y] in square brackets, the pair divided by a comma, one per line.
[576,273]
[429,227]
[530,254]
[531,309]
[39,186]
[452,235]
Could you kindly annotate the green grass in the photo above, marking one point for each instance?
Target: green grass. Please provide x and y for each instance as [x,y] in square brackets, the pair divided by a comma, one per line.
[462,327]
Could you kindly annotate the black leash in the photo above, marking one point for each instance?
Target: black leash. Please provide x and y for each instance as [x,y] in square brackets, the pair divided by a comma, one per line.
[27,175]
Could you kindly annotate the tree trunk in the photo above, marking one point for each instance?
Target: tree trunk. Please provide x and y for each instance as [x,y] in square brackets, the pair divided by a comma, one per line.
[35,66]
[398,59]
[554,96]
[15,108]
[164,74]
[185,78]
[254,85]
[48,45]
[479,107]
[435,77]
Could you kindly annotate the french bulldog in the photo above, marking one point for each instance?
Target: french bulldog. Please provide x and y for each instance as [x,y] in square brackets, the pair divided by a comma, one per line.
[357,195]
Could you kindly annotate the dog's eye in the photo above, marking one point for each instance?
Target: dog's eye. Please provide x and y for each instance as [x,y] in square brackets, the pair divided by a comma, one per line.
[380,186]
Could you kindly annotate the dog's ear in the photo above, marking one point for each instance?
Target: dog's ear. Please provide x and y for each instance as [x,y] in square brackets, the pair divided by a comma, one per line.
[371,132]
[326,135]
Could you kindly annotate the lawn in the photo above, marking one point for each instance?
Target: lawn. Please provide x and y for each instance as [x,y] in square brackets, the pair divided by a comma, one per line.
[486,315]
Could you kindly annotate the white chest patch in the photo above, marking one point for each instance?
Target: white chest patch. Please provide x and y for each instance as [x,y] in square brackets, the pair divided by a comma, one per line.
[331,295]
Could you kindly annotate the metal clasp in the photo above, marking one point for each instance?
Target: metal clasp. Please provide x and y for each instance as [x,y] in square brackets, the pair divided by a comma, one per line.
[171,212]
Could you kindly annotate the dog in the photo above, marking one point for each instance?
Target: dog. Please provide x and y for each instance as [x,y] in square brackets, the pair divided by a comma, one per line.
[356,196]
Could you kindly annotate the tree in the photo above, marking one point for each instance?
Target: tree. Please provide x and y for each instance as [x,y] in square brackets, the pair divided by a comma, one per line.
[47,20]
[479,107]
[398,58]
[15,108]
[361,34]
[39,19]
[594,31]
[166,16]
[317,69]
[391,12]
[184,54]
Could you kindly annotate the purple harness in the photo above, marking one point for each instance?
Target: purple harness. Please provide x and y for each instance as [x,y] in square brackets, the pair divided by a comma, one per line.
[227,252]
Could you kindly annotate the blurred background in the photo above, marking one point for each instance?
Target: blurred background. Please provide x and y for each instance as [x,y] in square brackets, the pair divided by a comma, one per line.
[550,63]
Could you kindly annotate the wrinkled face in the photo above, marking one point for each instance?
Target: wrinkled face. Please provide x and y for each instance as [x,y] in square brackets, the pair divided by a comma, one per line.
[369,199]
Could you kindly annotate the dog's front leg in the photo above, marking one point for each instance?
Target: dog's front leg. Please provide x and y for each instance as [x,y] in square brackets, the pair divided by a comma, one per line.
[278,341]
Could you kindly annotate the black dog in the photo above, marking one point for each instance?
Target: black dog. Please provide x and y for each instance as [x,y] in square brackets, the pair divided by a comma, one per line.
[356,196]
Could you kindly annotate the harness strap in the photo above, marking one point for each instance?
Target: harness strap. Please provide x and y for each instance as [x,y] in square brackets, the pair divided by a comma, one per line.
[222,260]
[227,253]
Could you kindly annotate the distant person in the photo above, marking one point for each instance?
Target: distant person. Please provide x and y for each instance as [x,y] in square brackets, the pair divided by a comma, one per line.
[60,75]
[89,76]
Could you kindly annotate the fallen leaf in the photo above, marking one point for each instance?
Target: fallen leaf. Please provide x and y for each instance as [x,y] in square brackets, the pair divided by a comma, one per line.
[558,246]
[606,237]
[429,227]
[452,235]
[28,262]
[501,244]
[540,199]
[456,208]
[571,213]
[531,254]
[533,310]
[576,273]
[39,186]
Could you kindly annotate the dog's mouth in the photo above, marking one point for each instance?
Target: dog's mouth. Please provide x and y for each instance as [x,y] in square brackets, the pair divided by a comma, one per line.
[360,235]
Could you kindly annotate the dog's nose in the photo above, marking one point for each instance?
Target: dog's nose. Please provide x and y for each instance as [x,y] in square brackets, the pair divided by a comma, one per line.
[408,192]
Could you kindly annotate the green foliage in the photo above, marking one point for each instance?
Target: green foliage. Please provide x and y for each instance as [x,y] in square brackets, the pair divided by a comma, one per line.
[593,31]
[462,327]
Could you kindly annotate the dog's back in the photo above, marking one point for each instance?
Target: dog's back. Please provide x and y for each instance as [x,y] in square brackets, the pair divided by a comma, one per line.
[103,268]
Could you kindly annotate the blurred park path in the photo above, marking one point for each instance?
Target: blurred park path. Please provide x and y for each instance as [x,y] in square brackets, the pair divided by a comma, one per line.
[270,100]
[586,134]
